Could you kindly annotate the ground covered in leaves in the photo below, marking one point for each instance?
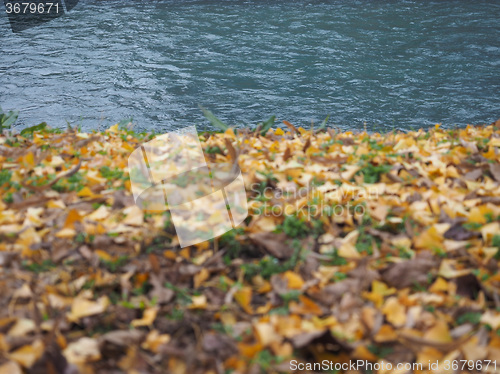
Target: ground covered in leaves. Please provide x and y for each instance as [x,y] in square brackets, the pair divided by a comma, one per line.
[376,247]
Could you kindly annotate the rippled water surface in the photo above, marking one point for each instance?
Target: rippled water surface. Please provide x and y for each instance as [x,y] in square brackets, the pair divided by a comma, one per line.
[391,64]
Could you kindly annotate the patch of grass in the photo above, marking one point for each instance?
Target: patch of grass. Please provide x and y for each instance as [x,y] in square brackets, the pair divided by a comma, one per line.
[373,144]
[269,177]
[335,260]
[404,252]
[111,174]
[281,311]
[472,226]
[495,242]
[365,243]
[142,290]
[291,295]
[88,285]
[44,266]
[372,173]
[380,351]
[73,183]
[231,244]
[181,294]
[5,176]
[213,150]
[113,266]
[175,315]
[294,227]
[317,228]
[269,265]
[339,276]
[224,329]
[430,308]
[7,119]
[9,198]
[469,317]
[83,237]
[28,132]
[265,360]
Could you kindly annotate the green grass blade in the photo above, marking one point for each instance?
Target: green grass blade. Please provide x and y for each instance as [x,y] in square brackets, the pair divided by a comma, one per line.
[323,124]
[214,120]
[8,119]
[267,125]
[32,129]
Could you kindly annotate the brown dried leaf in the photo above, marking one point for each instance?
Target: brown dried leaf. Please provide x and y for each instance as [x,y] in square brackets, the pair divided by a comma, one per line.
[408,273]
[274,244]
[495,171]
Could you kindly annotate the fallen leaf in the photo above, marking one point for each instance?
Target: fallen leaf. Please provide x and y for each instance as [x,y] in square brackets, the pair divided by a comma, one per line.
[83,307]
[495,171]
[492,319]
[82,351]
[154,340]
[22,327]
[134,216]
[27,355]
[394,312]
[294,280]
[274,244]
[439,333]
[147,319]
[10,367]
[244,297]
[408,273]
[266,334]
[198,302]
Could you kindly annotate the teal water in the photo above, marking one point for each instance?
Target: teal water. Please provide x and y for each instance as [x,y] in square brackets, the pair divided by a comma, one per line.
[391,64]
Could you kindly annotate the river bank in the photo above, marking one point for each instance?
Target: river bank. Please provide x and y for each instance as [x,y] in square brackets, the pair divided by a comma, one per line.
[374,247]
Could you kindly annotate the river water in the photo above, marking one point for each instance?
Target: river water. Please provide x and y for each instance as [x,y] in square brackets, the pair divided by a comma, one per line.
[391,64]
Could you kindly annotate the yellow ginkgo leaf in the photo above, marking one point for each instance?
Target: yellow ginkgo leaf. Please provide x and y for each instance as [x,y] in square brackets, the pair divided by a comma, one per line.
[56,204]
[27,355]
[66,233]
[305,307]
[154,340]
[266,334]
[440,285]
[198,302]
[101,213]
[394,312]
[492,319]
[113,129]
[244,297]
[11,367]
[201,277]
[147,319]
[83,307]
[85,192]
[22,327]
[72,217]
[439,333]
[134,216]
[447,269]
[429,239]
[82,351]
[295,281]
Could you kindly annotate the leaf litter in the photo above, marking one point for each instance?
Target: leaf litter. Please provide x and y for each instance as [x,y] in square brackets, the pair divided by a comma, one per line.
[378,247]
